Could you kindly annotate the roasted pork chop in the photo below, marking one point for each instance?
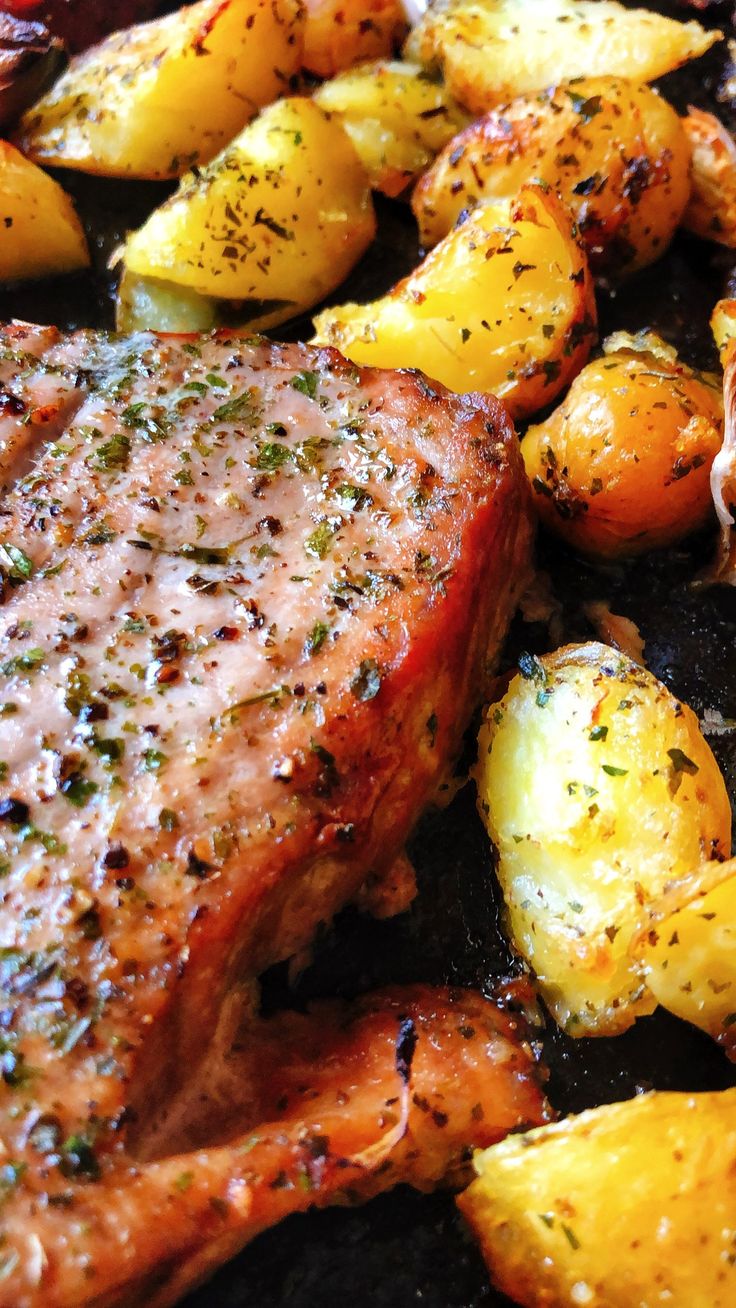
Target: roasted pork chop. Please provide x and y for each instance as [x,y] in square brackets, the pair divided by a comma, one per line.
[248,595]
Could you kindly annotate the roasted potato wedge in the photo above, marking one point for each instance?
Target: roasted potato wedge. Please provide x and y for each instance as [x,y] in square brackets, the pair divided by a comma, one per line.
[711,212]
[341,33]
[626,1206]
[396,116]
[276,221]
[623,465]
[41,233]
[598,789]
[505,304]
[492,50]
[156,99]
[688,950]
[615,151]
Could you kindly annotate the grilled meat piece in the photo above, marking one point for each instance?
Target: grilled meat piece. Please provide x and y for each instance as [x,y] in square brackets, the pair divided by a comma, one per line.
[248,592]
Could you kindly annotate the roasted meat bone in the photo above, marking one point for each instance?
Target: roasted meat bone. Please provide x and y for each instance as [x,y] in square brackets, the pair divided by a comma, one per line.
[336,1105]
[248,595]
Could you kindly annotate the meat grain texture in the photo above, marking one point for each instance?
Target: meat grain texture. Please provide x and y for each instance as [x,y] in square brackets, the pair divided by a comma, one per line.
[249,592]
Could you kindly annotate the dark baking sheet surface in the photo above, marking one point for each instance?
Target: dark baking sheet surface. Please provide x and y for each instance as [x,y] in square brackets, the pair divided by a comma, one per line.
[404,1248]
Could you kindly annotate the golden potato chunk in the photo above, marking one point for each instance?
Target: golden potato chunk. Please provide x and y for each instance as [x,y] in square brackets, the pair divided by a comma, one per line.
[688,950]
[341,33]
[396,117]
[492,50]
[615,151]
[41,234]
[597,789]
[275,222]
[504,304]
[711,212]
[623,465]
[155,99]
[723,326]
[629,1205]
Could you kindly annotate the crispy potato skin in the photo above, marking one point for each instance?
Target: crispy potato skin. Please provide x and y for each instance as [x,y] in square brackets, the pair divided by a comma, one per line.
[341,33]
[289,237]
[628,1204]
[41,233]
[616,152]
[688,950]
[711,212]
[504,304]
[623,465]
[396,117]
[597,789]
[485,62]
[155,99]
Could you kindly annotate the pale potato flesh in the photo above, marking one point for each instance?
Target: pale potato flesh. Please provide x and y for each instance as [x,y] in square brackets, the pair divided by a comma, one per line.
[397,117]
[155,99]
[281,215]
[504,304]
[492,50]
[598,789]
[630,1205]
[688,950]
[41,233]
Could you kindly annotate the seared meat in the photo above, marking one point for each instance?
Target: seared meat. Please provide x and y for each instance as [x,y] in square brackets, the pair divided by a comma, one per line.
[334,1106]
[248,591]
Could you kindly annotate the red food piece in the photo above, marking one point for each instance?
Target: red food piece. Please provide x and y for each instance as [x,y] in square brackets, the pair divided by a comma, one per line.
[80,23]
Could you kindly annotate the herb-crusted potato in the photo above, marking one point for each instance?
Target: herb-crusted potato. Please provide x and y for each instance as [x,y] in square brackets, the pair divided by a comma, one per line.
[396,116]
[623,465]
[626,1206]
[615,151]
[341,33]
[155,99]
[492,50]
[711,212]
[41,233]
[598,789]
[688,950]
[504,304]
[275,222]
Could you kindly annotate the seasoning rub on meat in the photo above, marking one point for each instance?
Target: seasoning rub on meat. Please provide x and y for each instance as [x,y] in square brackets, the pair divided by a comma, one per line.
[248,595]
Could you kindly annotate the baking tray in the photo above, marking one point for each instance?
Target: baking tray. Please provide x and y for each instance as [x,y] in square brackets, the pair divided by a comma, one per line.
[405,1248]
